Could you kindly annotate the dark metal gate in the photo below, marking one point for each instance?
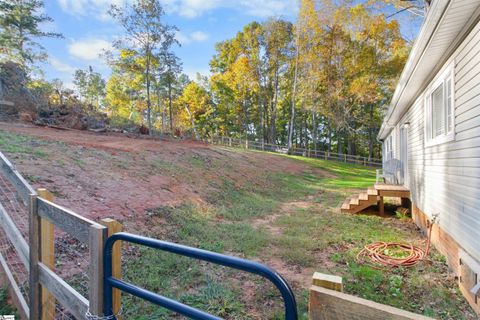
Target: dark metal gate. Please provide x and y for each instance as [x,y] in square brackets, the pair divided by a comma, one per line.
[228,261]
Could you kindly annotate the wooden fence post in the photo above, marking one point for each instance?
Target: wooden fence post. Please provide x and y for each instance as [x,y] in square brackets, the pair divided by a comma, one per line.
[34,226]
[324,281]
[114,227]
[327,281]
[47,257]
[97,237]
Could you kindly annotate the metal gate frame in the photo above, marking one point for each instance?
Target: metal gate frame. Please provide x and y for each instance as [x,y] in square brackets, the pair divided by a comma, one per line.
[228,261]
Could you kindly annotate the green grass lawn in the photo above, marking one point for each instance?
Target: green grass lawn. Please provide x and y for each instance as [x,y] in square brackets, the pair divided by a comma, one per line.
[306,237]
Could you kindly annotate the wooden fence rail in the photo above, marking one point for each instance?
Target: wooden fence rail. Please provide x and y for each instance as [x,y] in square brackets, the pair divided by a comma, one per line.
[21,185]
[263,146]
[84,230]
[304,152]
[14,236]
[37,255]
[14,290]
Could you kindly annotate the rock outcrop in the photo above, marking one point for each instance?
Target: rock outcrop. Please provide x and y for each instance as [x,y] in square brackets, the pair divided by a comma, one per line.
[15,98]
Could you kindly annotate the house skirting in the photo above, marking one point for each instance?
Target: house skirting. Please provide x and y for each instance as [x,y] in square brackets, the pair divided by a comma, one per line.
[466,268]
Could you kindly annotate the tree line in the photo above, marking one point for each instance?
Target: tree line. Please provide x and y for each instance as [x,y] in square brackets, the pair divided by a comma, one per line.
[320,82]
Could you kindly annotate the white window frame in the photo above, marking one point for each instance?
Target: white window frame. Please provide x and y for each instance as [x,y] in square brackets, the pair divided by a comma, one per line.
[441,80]
[388,147]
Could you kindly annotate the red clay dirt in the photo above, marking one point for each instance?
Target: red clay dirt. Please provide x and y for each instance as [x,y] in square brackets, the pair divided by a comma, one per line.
[113,175]
[106,141]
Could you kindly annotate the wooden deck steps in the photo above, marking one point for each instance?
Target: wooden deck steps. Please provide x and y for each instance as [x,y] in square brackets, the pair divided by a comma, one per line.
[363,196]
[359,202]
[372,196]
[372,191]
[346,205]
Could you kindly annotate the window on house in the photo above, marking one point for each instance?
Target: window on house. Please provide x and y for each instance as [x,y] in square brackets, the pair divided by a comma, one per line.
[388,149]
[439,113]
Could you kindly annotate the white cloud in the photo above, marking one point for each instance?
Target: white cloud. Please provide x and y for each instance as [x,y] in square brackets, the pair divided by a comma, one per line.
[196,36]
[268,8]
[199,36]
[88,49]
[87,7]
[61,66]
[182,38]
[185,8]
[195,8]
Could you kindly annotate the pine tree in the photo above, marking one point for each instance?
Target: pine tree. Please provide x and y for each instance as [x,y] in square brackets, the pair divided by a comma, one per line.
[20,22]
[146,33]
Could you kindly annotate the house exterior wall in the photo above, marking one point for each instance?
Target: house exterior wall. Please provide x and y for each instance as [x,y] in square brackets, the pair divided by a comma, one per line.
[444,179]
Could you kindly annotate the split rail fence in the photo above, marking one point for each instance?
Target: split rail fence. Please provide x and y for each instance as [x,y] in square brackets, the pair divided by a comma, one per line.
[304,152]
[50,257]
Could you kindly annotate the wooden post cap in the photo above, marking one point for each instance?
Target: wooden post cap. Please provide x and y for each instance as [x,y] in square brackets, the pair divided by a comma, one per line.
[327,281]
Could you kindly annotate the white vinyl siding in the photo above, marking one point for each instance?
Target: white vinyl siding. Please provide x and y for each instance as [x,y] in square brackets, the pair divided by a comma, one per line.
[444,178]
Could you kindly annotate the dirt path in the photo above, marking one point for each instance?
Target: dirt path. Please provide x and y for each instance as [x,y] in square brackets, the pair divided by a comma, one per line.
[299,275]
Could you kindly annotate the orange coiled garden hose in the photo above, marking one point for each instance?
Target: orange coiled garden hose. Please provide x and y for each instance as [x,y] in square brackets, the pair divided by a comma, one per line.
[411,255]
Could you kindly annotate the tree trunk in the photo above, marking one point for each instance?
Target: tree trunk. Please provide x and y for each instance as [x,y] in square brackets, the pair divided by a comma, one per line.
[305,129]
[350,146]
[370,136]
[149,103]
[262,121]
[193,122]
[273,113]
[339,143]
[164,118]
[314,131]
[329,147]
[301,132]
[246,116]
[159,109]
[292,119]
[170,105]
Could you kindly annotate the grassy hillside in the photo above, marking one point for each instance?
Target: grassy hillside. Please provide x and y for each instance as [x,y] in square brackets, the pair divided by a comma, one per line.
[280,210]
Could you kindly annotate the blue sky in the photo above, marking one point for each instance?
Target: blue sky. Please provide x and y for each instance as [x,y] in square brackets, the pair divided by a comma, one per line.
[202,23]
